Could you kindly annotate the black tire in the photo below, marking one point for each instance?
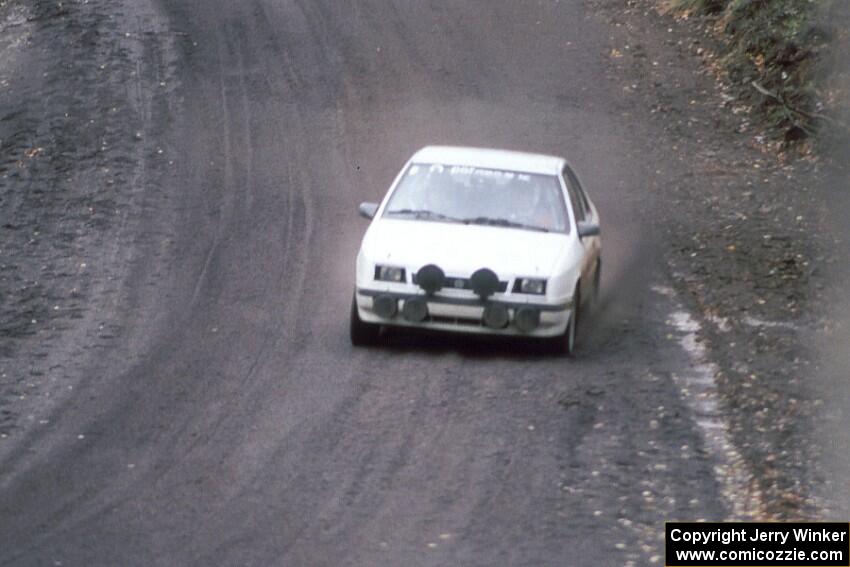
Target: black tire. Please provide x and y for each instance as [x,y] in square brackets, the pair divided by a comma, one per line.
[362,333]
[565,343]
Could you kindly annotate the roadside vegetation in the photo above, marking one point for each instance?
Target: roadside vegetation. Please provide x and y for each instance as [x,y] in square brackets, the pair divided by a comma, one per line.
[785,58]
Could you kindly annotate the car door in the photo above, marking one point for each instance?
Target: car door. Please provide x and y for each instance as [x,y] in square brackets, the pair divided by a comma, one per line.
[584,212]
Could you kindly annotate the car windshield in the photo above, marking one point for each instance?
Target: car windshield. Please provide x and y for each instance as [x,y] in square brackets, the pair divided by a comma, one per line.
[472,195]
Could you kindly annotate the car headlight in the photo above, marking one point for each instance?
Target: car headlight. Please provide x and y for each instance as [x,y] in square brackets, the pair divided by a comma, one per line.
[389,273]
[533,286]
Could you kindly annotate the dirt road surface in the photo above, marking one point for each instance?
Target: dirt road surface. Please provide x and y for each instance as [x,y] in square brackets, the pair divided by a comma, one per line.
[197,402]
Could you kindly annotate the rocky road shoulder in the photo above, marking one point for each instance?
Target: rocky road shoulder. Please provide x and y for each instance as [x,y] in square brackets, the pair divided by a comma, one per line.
[747,245]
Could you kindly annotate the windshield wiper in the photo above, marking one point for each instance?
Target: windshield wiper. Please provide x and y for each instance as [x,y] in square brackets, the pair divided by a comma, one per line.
[422,214]
[491,221]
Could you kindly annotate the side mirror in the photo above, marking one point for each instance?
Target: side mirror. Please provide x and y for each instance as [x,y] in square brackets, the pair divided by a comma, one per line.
[367,210]
[586,228]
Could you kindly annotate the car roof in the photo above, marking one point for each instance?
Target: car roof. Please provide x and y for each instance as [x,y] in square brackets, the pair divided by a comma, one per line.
[490,159]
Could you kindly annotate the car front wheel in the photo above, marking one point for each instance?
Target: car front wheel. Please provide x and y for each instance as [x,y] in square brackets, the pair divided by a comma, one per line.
[565,343]
[362,333]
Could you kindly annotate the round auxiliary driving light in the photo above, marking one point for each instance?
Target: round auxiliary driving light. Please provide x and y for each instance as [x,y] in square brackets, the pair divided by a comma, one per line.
[415,310]
[385,306]
[484,282]
[527,319]
[496,316]
[430,278]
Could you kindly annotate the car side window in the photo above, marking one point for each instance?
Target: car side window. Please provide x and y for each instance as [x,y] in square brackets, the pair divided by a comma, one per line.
[583,196]
[575,200]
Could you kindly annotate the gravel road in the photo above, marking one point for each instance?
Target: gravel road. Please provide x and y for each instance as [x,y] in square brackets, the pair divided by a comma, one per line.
[196,401]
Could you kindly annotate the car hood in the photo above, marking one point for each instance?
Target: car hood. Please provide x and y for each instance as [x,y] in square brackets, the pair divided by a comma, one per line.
[461,249]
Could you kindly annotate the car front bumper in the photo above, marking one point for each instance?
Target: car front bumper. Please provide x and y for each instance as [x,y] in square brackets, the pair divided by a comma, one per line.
[464,314]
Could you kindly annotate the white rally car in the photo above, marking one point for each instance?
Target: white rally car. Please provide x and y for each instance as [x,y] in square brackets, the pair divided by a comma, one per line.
[479,241]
